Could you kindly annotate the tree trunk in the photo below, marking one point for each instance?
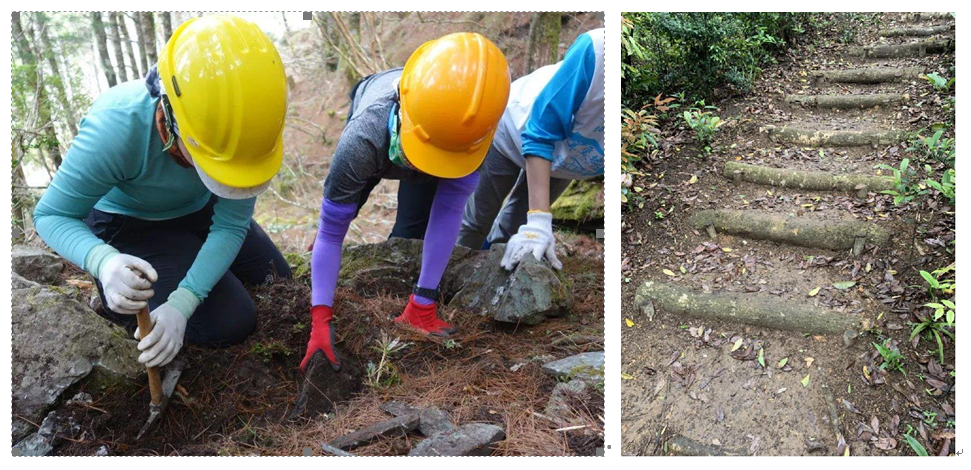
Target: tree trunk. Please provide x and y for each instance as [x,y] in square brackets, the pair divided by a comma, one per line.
[148,35]
[140,34]
[49,53]
[115,38]
[544,40]
[36,81]
[101,40]
[126,42]
[166,26]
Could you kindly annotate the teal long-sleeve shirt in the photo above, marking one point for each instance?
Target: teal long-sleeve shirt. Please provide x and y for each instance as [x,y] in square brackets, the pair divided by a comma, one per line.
[116,165]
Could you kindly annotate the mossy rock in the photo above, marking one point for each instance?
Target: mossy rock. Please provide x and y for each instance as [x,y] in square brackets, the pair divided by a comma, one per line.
[583,201]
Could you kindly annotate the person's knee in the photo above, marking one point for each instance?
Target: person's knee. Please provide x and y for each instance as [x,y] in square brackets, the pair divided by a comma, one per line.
[225,326]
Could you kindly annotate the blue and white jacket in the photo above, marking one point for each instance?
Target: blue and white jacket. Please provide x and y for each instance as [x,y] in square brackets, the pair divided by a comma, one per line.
[557,113]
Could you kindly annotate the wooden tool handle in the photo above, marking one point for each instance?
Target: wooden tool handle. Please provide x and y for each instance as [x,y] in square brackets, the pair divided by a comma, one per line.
[154,379]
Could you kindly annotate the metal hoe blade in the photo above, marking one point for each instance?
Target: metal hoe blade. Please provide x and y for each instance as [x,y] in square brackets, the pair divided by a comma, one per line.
[171,379]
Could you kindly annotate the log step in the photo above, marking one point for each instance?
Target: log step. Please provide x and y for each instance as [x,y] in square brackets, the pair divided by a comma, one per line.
[818,138]
[749,309]
[891,51]
[868,75]
[928,16]
[807,180]
[918,31]
[848,101]
[835,235]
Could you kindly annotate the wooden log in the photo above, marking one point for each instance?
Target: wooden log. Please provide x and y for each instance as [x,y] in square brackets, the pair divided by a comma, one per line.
[891,51]
[680,445]
[749,309]
[868,75]
[836,235]
[819,138]
[802,179]
[928,16]
[848,101]
[917,31]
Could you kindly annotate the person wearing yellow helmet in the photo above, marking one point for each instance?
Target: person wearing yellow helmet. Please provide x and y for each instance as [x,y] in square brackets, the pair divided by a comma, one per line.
[156,193]
[433,120]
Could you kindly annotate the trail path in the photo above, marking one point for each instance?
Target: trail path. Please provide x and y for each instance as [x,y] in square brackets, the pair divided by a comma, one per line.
[752,310]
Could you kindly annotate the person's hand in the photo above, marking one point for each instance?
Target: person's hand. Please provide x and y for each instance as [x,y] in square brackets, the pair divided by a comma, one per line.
[127,282]
[321,337]
[165,340]
[536,237]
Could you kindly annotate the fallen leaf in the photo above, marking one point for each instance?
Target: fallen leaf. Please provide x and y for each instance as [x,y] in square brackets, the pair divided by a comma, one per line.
[809,362]
[844,285]
[629,322]
[693,180]
[782,363]
[805,381]
[813,292]
[668,272]
[737,344]
[762,357]
[626,376]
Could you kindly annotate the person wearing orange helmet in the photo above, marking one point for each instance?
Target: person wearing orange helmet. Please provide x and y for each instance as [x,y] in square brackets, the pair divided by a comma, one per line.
[432,120]
[156,193]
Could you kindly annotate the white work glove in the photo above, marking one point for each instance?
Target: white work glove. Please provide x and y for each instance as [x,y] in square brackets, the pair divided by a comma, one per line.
[165,340]
[535,237]
[127,281]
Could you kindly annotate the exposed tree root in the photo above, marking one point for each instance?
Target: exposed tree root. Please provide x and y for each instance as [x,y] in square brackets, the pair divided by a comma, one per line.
[802,179]
[818,138]
[680,445]
[848,101]
[750,309]
[836,235]
[927,16]
[918,32]
[868,75]
[889,51]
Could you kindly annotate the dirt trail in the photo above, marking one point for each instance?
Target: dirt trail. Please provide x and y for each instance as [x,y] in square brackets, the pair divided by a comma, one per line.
[696,384]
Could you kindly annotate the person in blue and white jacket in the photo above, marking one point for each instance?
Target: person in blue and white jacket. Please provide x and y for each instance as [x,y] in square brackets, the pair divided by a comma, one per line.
[552,132]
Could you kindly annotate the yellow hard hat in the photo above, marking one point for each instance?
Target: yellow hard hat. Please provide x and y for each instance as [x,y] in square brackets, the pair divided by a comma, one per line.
[228,90]
[453,93]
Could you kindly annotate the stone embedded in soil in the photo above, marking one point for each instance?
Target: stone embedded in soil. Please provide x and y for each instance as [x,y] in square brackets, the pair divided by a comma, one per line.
[564,394]
[431,421]
[588,366]
[323,387]
[56,343]
[397,426]
[19,282]
[42,442]
[531,293]
[391,267]
[467,439]
[36,264]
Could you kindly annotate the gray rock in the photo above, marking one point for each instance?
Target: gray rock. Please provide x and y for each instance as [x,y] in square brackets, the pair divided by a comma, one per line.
[397,426]
[474,280]
[36,264]
[467,439]
[565,393]
[532,292]
[42,442]
[56,343]
[588,366]
[19,282]
[431,421]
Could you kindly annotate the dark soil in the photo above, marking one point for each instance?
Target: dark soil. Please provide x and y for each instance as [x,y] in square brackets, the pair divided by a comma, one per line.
[682,377]
[238,400]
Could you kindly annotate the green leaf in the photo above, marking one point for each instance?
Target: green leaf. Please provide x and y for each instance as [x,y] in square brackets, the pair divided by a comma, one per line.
[782,363]
[813,292]
[762,357]
[805,381]
[844,285]
[918,448]
[737,344]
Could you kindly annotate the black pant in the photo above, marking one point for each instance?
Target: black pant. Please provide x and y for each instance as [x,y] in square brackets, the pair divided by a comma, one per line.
[228,315]
[414,206]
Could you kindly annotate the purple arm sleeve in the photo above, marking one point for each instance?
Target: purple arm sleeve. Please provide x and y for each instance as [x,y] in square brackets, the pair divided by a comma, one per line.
[444,222]
[325,262]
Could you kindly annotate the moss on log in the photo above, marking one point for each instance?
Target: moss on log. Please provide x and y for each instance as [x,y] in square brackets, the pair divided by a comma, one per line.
[818,138]
[836,235]
[749,309]
[890,51]
[848,101]
[801,179]
[868,75]
[917,31]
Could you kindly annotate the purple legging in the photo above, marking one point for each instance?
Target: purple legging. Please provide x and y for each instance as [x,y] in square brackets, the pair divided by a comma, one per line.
[444,222]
